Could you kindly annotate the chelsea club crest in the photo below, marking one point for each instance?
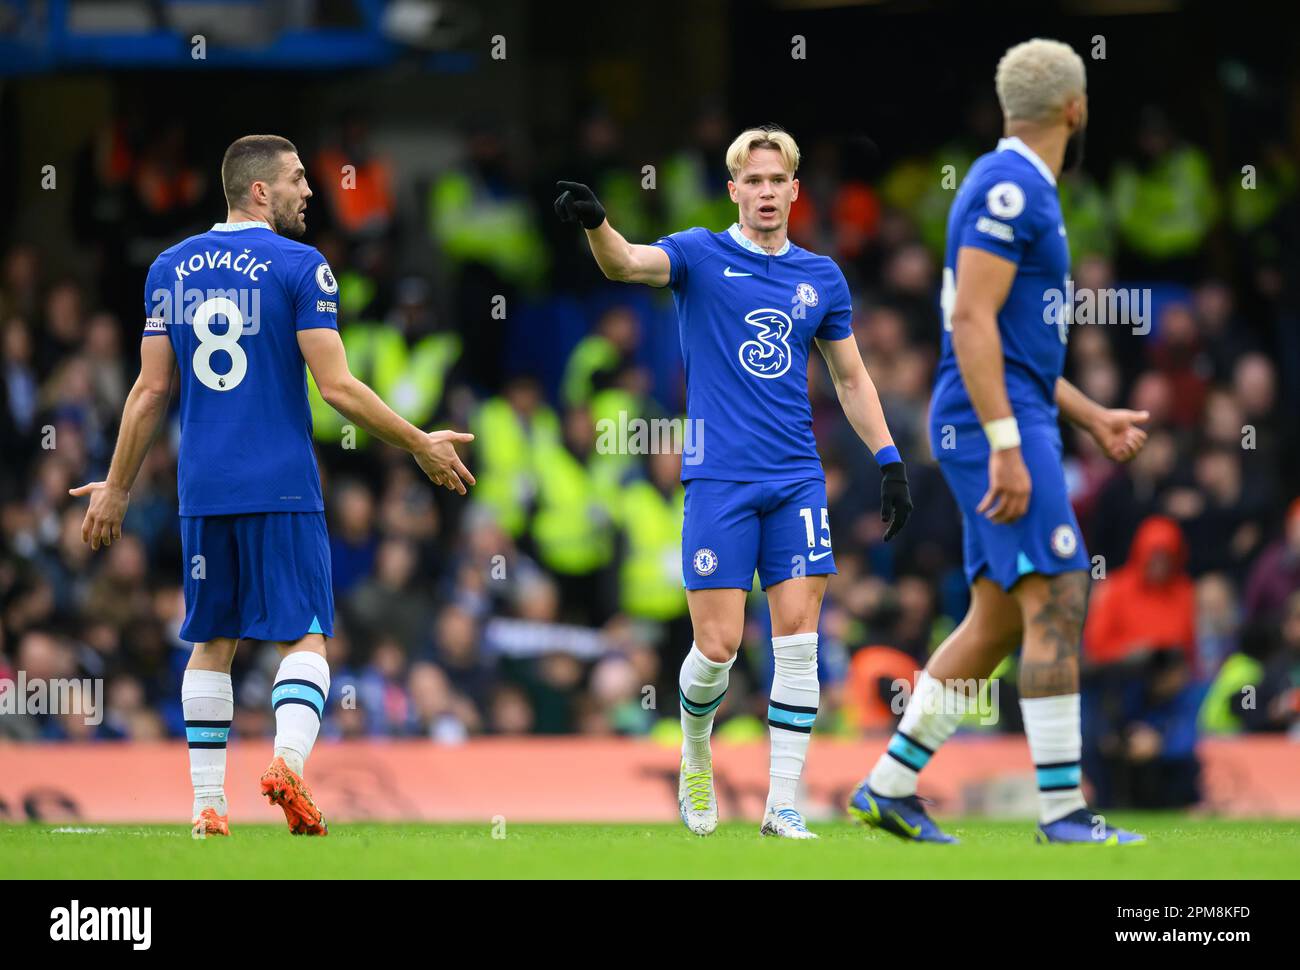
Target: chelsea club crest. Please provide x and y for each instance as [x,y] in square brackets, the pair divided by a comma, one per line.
[1064,541]
[705,561]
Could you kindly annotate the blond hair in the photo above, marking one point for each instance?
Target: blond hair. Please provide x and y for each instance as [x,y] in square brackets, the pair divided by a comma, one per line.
[752,139]
[1037,78]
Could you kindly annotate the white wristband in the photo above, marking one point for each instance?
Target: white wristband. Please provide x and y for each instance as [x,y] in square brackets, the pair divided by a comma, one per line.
[1003,433]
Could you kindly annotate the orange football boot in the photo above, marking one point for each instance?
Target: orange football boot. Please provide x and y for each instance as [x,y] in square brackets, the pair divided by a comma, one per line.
[210,823]
[286,789]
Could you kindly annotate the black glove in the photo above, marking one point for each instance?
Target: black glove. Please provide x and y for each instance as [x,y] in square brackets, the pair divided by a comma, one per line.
[895,499]
[577,203]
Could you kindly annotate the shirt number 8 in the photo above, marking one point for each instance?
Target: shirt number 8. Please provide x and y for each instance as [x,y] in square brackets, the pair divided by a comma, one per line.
[210,342]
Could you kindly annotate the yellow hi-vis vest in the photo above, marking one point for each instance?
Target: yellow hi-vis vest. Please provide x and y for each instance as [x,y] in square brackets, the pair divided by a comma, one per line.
[1085,210]
[411,380]
[593,353]
[1217,715]
[472,226]
[1165,212]
[650,578]
[693,197]
[572,527]
[505,450]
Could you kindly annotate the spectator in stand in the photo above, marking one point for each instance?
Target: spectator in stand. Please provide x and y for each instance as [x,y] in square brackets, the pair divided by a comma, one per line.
[438,713]
[1140,737]
[1164,201]
[357,181]
[353,539]
[1177,355]
[392,602]
[1132,496]
[1277,704]
[1148,604]
[1276,573]
[1142,689]
[1223,333]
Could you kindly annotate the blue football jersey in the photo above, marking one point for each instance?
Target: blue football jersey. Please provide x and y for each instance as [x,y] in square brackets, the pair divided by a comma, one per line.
[747,321]
[232,301]
[1008,205]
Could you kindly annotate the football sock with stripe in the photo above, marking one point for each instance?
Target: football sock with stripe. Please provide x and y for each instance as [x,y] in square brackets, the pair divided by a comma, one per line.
[301,686]
[932,715]
[208,704]
[702,684]
[791,711]
[1055,743]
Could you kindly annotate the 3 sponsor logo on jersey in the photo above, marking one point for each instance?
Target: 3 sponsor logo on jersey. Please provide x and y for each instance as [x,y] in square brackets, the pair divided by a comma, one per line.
[705,561]
[768,354]
[1064,541]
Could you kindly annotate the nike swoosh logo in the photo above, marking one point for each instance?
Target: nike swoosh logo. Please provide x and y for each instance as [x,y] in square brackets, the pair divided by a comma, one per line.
[805,719]
[728,272]
[912,830]
[819,555]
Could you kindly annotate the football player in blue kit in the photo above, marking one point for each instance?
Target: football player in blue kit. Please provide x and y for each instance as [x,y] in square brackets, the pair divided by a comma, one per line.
[237,312]
[994,431]
[749,306]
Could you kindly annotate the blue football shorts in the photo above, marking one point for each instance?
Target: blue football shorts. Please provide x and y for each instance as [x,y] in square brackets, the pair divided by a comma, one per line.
[731,529]
[260,576]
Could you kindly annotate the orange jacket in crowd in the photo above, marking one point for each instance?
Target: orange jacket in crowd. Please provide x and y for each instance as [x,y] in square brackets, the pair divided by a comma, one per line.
[1132,610]
[366,200]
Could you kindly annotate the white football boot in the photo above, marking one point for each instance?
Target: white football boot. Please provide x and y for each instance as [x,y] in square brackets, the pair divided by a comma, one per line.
[696,800]
[785,822]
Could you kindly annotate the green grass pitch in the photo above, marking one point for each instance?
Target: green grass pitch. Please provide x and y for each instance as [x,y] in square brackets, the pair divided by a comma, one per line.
[1178,847]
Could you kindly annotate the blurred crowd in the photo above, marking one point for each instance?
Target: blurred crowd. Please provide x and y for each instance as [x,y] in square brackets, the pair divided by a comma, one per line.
[549,601]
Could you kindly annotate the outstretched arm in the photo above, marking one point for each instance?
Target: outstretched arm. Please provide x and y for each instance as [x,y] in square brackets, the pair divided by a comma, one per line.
[434,451]
[142,416]
[1115,430]
[617,258]
[861,404]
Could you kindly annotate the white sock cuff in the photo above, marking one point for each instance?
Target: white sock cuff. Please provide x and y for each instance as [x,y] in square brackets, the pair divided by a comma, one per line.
[1061,708]
[956,702]
[797,646]
[305,663]
[696,657]
[206,683]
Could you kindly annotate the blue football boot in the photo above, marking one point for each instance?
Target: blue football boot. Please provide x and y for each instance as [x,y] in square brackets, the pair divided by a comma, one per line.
[1083,826]
[904,817]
